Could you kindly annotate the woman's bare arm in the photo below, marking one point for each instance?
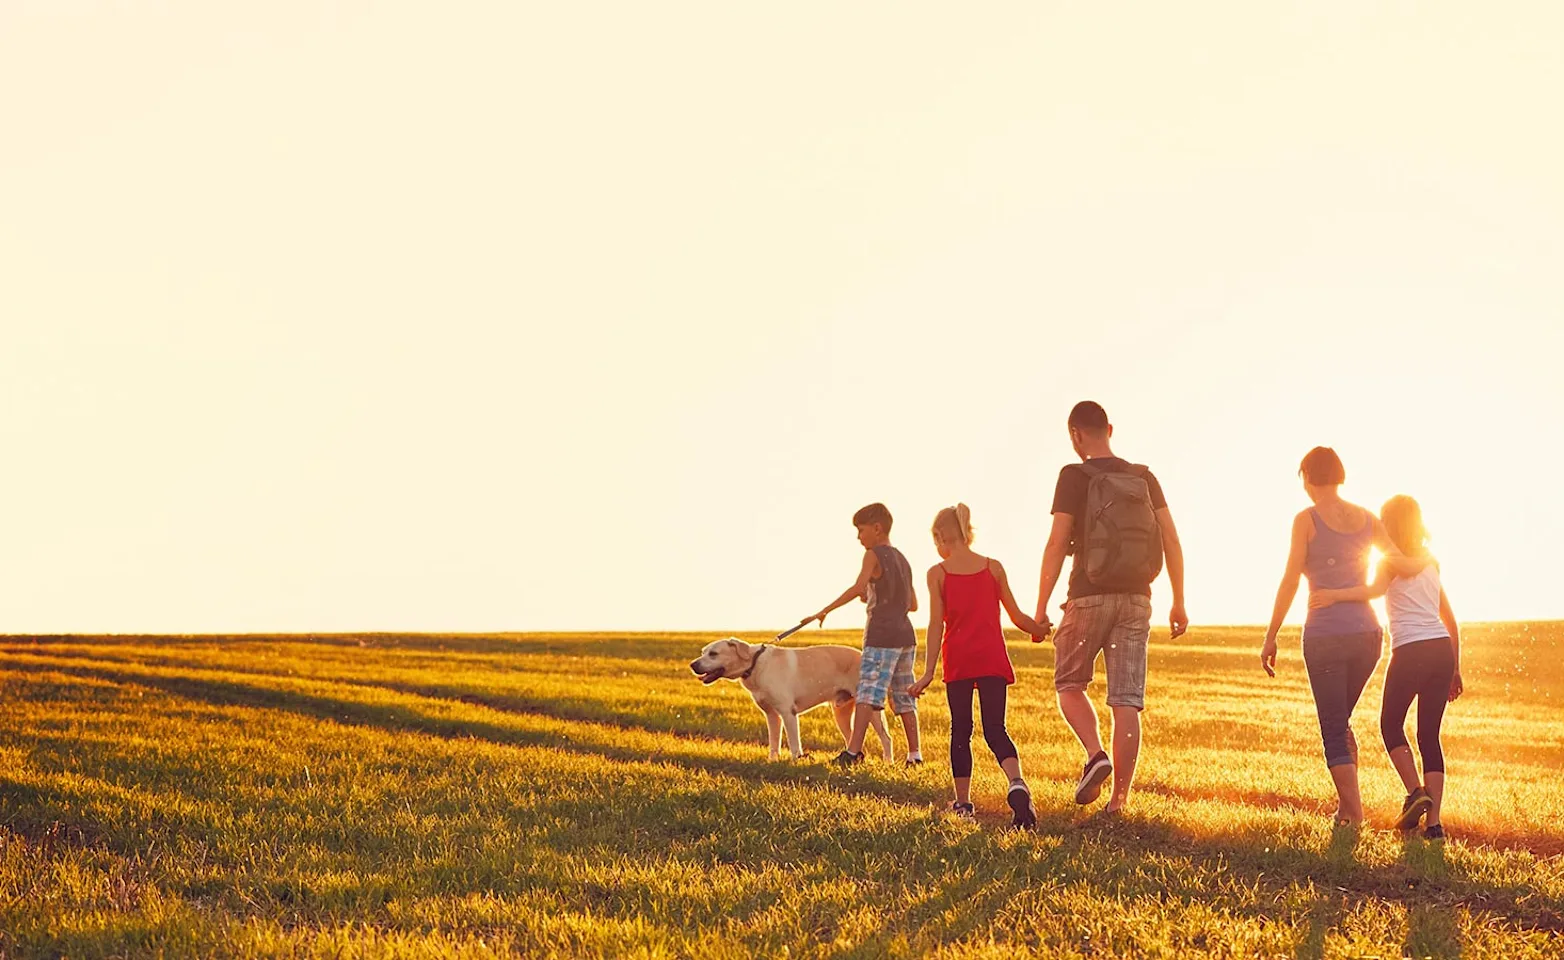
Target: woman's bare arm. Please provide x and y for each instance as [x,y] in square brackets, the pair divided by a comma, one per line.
[1400,564]
[1287,591]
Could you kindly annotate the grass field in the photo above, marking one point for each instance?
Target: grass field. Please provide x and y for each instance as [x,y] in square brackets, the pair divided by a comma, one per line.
[424,796]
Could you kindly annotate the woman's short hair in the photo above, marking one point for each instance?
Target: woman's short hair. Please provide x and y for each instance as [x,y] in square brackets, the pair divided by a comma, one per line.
[1322,468]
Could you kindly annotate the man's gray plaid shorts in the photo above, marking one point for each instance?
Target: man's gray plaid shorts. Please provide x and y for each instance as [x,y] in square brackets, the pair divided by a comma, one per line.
[1119,626]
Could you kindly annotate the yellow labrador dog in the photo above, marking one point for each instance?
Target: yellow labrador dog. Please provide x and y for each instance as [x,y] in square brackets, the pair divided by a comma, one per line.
[786,681]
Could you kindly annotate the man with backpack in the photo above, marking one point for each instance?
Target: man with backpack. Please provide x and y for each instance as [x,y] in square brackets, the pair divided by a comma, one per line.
[1111,516]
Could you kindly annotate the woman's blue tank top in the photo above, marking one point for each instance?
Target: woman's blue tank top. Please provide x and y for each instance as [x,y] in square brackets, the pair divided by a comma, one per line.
[1337,561]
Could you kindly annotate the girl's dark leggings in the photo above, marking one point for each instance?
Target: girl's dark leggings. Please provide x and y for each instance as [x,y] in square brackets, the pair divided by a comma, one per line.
[1423,670]
[991,700]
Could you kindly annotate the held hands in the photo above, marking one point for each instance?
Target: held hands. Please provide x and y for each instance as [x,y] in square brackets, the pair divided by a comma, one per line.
[1456,687]
[1178,622]
[1268,655]
[1044,628]
[921,684]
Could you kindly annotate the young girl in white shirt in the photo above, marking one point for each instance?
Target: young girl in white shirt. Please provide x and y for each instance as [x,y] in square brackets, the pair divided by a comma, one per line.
[1425,662]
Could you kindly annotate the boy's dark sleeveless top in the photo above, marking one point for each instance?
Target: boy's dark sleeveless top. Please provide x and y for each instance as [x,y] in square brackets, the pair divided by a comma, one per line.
[888,624]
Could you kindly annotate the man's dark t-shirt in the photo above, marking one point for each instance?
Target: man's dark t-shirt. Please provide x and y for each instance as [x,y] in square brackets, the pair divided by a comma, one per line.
[1070,497]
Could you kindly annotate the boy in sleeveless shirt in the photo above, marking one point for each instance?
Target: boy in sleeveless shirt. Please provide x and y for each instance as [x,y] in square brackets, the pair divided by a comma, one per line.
[889,643]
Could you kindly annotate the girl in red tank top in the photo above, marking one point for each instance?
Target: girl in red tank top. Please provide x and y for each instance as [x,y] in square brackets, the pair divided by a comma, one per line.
[965,593]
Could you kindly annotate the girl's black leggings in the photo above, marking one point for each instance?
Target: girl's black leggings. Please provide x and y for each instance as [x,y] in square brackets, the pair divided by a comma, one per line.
[1421,670]
[991,700]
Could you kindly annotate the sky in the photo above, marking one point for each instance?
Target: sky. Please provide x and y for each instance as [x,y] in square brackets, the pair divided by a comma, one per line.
[331,316]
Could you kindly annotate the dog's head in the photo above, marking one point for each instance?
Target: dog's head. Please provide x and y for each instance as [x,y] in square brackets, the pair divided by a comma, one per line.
[721,658]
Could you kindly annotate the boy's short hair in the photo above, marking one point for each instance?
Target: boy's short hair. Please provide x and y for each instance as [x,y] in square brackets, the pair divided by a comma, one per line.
[873,513]
[1088,416]
[1322,468]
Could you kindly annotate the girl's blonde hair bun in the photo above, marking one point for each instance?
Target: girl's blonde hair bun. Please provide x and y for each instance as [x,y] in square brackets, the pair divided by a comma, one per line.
[957,520]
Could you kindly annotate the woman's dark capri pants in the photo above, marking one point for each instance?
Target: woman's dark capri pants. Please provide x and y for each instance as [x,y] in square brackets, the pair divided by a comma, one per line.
[1339,668]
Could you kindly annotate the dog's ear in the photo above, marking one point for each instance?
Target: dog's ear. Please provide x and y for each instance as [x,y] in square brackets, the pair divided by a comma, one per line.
[733,643]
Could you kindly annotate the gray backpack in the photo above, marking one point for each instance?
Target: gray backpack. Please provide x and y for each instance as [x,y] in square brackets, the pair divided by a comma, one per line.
[1120,541]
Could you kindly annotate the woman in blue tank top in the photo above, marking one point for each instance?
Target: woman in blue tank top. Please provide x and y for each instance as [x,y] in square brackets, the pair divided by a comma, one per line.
[1341,643]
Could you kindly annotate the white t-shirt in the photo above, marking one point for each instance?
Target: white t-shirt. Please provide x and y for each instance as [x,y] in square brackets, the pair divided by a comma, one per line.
[1413,606]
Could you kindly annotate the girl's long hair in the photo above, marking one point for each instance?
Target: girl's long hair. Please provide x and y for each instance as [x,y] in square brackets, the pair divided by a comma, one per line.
[1403,520]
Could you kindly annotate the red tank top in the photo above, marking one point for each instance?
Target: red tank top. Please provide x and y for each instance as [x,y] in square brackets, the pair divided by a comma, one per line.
[974,644]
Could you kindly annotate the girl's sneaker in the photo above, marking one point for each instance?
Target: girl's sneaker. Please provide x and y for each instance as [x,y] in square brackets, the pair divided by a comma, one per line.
[1418,802]
[848,759]
[964,811]
[1434,831]
[1020,800]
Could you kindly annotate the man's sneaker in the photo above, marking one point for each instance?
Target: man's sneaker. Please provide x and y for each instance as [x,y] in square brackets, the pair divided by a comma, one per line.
[1020,800]
[847,758]
[1097,769]
[964,811]
[1434,832]
[914,762]
[1418,802]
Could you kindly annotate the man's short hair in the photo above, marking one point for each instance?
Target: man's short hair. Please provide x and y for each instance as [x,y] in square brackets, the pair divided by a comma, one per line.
[874,513]
[1322,468]
[1089,417]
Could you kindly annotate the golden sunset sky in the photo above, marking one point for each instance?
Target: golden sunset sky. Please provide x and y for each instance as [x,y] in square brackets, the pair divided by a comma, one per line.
[525,316]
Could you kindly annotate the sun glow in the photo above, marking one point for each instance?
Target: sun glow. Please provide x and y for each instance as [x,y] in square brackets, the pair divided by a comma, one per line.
[301,339]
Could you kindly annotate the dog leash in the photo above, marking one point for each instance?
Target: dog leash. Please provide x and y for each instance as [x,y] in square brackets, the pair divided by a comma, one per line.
[792,630]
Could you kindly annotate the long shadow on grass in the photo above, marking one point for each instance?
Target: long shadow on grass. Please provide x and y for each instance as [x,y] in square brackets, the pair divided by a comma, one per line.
[45,817]
[1130,839]
[671,648]
[408,718]
[714,725]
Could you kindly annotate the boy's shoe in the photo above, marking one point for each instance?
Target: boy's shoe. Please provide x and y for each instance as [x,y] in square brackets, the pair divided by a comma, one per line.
[1418,802]
[1020,800]
[1434,832]
[847,758]
[1097,770]
[963,811]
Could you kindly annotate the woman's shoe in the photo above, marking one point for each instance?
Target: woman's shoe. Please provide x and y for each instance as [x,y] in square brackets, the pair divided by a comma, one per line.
[1418,802]
[964,811]
[1434,831]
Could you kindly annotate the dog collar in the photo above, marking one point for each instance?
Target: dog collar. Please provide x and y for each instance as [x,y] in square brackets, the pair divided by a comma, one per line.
[746,673]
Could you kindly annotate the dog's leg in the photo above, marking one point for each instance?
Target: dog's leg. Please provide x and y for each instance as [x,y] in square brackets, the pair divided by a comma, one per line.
[774,734]
[877,721]
[795,745]
[844,719]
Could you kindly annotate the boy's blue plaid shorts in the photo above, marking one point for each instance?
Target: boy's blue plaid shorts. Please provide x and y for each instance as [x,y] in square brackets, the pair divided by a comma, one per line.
[887,670]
